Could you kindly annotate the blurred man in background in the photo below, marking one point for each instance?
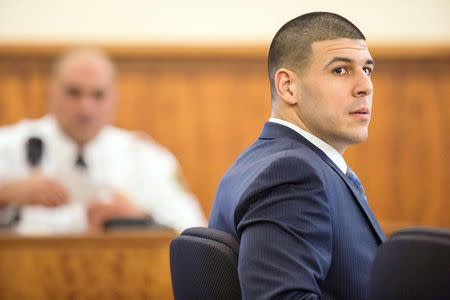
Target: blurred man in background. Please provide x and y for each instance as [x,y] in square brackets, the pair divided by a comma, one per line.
[71,171]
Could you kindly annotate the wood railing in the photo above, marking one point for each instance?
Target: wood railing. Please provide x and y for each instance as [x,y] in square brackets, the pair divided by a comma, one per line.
[110,266]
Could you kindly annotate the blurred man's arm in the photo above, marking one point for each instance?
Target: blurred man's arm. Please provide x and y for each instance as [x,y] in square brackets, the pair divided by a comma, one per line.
[176,206]
[177,209]
[160,190]
[34,190]
[99,212]
[152,186]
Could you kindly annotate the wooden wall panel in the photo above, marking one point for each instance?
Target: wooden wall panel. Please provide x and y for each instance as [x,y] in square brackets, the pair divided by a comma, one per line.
[208,104]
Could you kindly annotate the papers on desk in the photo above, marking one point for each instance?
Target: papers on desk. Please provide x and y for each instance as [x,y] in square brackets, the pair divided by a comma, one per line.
[70,218]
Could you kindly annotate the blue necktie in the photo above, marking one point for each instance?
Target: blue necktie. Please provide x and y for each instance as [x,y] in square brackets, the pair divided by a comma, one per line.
[356,182]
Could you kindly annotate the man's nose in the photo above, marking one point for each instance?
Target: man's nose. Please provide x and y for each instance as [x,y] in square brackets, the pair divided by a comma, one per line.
[87,103]
[363,85]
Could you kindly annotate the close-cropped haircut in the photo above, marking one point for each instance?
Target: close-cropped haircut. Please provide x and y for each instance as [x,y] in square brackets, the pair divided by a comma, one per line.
[83,51]
[291,46]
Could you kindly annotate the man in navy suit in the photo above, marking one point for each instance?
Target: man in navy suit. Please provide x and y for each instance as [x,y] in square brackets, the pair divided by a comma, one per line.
[301,215]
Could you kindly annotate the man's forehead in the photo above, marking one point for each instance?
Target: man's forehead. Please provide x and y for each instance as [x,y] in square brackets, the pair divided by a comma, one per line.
[351,48]
[84,63]
[86,76]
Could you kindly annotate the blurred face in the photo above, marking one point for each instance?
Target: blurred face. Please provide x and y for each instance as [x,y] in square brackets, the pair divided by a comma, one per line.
[83,97]
[334,98]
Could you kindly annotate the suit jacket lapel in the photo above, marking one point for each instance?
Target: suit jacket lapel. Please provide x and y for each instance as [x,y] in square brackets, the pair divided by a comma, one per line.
[274,130]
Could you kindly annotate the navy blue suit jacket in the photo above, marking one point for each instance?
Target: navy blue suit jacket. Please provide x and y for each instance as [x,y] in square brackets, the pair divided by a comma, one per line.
[305,232]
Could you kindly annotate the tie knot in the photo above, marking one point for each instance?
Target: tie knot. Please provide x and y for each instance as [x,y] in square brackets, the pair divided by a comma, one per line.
[80,162]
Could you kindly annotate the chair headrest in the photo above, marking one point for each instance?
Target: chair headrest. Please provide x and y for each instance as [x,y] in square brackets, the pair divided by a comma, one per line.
[215,235]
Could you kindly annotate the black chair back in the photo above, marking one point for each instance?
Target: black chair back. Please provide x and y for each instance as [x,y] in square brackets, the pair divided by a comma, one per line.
[413,264]
[203,264]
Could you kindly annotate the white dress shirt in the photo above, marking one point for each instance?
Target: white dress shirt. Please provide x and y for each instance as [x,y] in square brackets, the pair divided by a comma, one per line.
[116,160]
[329,151]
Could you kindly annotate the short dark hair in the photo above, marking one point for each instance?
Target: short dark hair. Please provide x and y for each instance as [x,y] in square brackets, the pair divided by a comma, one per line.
[291,46]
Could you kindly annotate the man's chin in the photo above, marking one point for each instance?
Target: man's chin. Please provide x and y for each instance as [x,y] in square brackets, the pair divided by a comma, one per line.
[359,137]
[85,137]
[354,136]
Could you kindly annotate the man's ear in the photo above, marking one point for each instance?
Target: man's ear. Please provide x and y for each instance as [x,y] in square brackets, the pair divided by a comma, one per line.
[285,85]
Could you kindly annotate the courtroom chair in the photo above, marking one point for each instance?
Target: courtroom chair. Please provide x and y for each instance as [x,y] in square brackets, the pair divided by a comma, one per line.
[203,264]
[412,264]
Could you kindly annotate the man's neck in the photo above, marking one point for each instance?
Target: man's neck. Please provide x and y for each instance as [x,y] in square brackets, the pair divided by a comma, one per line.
[329,150]
[293,118]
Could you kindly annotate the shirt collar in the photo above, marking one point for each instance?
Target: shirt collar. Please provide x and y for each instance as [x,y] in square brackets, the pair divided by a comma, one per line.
[329,151]
[70,147]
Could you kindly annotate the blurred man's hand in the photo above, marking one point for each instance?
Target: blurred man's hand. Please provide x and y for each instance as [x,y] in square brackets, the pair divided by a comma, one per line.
[120,207]
[34,190]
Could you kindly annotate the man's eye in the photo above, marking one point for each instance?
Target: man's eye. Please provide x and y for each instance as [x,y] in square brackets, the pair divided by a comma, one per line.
[340,71]
[368,71]
[73,92]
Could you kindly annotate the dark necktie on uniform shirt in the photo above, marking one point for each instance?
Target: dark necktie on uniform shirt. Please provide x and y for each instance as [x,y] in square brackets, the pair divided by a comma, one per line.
[80,162]
[356,182]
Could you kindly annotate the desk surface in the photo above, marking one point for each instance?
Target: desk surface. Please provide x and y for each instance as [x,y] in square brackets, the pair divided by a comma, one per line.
[105,266]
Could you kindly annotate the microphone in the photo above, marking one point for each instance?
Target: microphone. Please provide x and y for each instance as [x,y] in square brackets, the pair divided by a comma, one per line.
[34,151]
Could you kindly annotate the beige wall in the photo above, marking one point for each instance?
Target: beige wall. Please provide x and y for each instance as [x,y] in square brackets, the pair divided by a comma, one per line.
[213,22]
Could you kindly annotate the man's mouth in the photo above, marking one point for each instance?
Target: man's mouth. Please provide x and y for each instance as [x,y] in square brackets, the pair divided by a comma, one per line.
[361,111]
[361,114]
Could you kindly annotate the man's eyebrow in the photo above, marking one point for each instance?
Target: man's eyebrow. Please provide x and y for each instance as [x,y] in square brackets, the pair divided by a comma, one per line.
[370,62]
[348,60]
